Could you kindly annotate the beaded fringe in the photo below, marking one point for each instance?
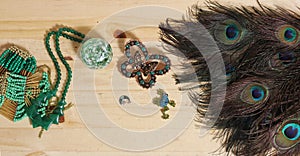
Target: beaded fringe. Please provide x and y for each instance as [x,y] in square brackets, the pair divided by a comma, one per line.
[11,109]
[18,61]
[20,82]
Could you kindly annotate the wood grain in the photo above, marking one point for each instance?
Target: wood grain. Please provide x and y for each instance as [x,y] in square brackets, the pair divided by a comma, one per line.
[25,23]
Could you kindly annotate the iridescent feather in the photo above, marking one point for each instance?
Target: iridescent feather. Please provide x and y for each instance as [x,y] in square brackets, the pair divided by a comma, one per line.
[260,49]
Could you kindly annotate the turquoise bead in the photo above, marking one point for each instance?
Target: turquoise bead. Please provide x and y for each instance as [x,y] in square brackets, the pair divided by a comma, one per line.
[96,53]
[130,61]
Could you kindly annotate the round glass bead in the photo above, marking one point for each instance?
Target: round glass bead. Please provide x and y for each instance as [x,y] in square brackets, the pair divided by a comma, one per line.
[96,53]
[124,100]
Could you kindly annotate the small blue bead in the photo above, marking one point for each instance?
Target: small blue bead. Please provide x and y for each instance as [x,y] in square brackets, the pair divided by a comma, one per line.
[130,61]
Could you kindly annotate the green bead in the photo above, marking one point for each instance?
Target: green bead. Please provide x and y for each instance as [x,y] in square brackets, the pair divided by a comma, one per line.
[96,53]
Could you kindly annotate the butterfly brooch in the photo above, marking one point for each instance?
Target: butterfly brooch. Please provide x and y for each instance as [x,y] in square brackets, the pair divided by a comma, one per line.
[142,66]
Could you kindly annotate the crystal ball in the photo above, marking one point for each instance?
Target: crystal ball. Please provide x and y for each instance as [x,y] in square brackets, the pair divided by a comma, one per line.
[96,53]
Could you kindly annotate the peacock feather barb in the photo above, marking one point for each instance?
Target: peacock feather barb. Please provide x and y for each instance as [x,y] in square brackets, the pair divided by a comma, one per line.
[260,50]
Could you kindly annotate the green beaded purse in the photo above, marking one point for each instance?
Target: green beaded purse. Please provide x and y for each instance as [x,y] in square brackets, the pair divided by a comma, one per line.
[27,90]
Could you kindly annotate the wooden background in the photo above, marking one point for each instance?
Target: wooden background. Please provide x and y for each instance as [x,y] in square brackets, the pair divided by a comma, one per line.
[25,23]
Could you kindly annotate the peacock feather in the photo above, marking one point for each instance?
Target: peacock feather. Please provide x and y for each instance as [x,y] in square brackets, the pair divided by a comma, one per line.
[260,50]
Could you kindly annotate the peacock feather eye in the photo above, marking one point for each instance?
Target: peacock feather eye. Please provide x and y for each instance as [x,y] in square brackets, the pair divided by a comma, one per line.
[288,34]
[254,93]
[228,32]
[291,131]
[232,32]
[257,93]
[287,135]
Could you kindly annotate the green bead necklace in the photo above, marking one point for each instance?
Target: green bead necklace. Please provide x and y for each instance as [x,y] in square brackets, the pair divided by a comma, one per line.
[57,110]
[58,34]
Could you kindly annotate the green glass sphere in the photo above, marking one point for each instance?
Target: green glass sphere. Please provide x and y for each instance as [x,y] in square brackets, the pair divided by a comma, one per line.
[96,53]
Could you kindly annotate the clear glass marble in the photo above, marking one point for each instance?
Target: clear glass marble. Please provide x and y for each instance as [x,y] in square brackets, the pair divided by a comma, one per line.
[96,53]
